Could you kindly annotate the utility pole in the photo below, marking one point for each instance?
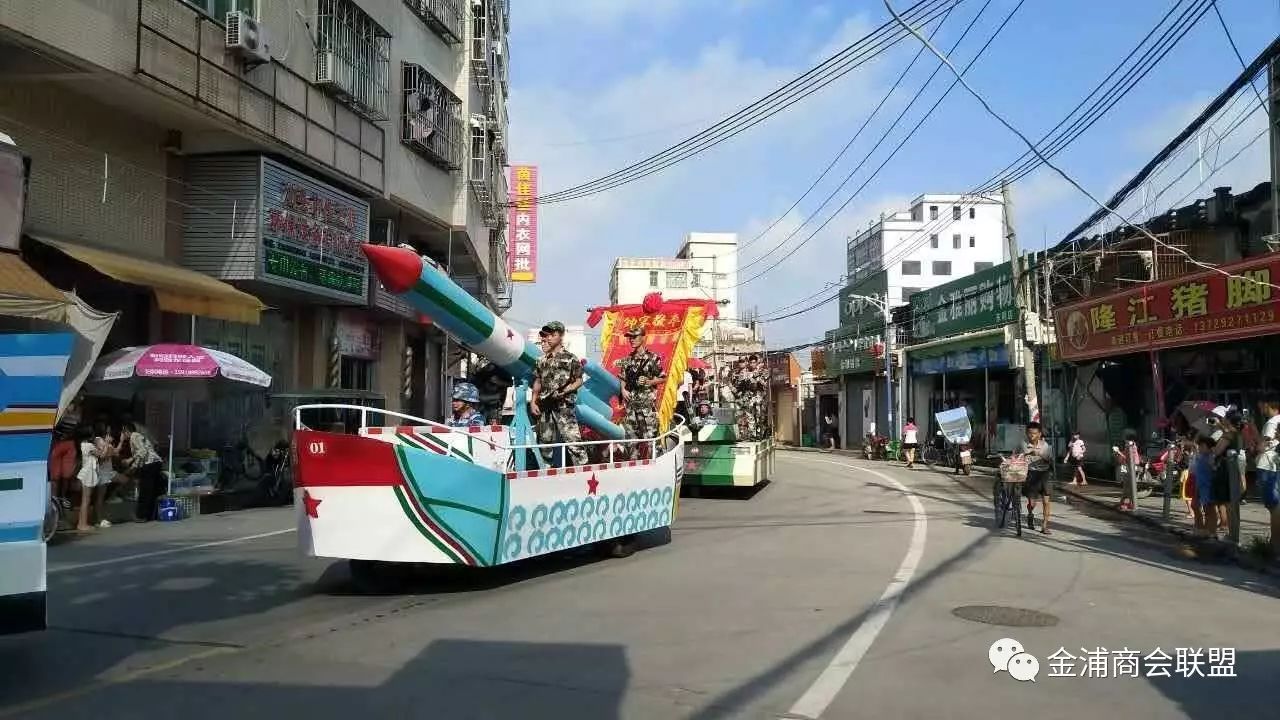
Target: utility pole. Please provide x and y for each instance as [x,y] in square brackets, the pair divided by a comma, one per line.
[1020,299]
[888,365]
[1273,119]
[715,331]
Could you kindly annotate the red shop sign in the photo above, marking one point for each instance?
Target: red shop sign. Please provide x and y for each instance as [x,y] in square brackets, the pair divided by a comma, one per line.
[1210,306]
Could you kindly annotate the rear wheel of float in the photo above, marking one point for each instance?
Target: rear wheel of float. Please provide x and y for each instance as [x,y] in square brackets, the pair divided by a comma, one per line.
[374,577]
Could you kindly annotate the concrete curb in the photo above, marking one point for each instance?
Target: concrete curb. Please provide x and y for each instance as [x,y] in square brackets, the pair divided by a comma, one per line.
[1219,550]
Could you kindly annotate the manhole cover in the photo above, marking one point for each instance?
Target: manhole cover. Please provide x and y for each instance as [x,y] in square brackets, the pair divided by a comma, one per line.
[1001,615]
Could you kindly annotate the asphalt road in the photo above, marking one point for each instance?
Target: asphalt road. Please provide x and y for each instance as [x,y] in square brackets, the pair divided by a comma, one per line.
[828,594]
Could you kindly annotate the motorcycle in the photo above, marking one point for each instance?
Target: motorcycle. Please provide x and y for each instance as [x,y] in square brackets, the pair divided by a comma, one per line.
[964,461]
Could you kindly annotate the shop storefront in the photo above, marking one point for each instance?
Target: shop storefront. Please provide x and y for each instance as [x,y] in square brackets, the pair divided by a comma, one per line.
[964,354]
[1211,336]
[294,240]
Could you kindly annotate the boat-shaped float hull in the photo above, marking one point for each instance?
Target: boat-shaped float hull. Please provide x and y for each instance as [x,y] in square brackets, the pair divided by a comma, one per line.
[425,494]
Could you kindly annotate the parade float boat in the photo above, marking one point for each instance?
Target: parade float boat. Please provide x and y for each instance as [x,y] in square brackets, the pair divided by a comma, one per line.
[402,489]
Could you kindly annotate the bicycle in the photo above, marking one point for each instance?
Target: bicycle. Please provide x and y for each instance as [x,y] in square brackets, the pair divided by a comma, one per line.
[930,455]
[52,518]
[1005,495]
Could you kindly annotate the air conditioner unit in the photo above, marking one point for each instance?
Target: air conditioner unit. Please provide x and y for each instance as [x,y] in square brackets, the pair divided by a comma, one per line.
[327,69]
[246,38]
[479,121]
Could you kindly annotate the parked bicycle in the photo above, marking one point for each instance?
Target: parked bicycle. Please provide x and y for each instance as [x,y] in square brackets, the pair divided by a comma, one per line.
[1006,490]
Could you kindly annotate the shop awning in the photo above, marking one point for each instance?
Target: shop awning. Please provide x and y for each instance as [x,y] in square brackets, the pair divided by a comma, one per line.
[177,289]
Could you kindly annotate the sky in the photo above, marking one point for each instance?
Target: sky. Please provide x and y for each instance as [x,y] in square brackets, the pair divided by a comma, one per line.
[599,84]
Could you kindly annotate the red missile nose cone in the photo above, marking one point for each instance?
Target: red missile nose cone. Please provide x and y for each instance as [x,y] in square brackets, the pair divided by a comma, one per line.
[397,268]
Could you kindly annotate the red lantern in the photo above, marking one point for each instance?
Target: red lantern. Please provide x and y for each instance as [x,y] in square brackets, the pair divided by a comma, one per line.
[652,303]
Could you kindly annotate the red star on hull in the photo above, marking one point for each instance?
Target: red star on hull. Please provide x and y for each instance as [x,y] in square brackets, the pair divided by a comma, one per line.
[592,484]
[311,505]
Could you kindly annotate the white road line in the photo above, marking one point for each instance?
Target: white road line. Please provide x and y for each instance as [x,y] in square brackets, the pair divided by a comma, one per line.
[169,551]
[819,696]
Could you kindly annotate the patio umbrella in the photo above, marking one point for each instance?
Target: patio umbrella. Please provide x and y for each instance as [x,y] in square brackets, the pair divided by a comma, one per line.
[190,371]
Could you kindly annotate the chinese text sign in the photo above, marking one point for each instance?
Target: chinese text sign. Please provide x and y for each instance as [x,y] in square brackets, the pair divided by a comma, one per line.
[523,224]
[1235,301]
[975,302]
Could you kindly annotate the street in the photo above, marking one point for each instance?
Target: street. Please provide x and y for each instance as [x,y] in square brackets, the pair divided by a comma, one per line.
[781,605]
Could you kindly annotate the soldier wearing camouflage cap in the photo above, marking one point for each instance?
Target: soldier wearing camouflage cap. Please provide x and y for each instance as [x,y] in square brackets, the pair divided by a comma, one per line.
[557,375]
[642,374]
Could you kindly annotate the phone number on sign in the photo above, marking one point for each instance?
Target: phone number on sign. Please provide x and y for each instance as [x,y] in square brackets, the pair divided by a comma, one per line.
[1200,326]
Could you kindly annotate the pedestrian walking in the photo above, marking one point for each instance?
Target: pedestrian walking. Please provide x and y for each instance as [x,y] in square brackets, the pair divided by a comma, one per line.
[146,468]
[557,377]
[1075,459]
[910,441]
[642,375]
[1268,466]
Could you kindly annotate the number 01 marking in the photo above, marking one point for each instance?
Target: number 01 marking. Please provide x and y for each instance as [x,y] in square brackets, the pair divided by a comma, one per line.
[316,448]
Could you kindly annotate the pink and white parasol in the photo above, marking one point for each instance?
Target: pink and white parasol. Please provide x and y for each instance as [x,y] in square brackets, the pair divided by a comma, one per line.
[176,362]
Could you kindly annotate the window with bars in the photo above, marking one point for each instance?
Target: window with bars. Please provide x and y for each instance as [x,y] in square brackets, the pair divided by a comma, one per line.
[973,241]
[479,153]
[933,241]
[443,17]
[218,9]
[677,280]
[955,241]
[942,267]
[933,212]
[653,278]
[911,267]
[955,212]
[353,58]
[971,213]
[431,118]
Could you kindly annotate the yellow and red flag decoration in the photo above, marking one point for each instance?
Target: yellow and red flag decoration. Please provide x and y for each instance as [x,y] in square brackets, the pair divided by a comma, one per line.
[672,328]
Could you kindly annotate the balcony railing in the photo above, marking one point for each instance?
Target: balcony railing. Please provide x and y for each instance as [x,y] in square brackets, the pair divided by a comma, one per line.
[431,119]
[443,17]
[353,58]
[181,50]
[481,60]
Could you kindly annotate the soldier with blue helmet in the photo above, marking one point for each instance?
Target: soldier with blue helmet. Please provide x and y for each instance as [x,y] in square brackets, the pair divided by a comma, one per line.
[465,399]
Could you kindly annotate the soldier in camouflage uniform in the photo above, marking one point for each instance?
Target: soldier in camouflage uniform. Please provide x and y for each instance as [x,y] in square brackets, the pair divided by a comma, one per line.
[759,396]
[556,379]
[642,374]
[741,378]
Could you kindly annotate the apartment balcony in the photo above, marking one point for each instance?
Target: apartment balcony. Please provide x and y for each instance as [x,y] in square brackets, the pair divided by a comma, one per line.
[481,46]
[431,119]
[353,58]
[182,53]
[443,17]
[484,174]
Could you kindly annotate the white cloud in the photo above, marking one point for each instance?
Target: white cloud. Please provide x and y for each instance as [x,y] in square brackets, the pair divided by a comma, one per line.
[580,239]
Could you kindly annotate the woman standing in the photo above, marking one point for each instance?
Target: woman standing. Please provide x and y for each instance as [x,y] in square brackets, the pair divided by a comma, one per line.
[144,465]
[910,441]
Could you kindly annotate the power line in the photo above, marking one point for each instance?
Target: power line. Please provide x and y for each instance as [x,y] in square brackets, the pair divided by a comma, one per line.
[883,136]
[901,143]
[809,82]
[1232,41]
[856,134]
[1153,55]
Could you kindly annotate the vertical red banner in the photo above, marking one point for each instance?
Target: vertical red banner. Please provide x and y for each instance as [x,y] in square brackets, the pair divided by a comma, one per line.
[523,224]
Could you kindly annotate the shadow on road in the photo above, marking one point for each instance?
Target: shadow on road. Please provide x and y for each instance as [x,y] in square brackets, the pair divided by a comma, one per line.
[1211,698]
[108,619]
[455,679]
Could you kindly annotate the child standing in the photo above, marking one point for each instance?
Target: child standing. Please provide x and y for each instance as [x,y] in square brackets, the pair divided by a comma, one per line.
[1075,458]
[88,475]
[1202,470]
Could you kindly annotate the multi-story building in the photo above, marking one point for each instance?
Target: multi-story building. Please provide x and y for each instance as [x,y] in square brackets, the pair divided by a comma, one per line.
[705,268]
[938,239]
[211,167]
